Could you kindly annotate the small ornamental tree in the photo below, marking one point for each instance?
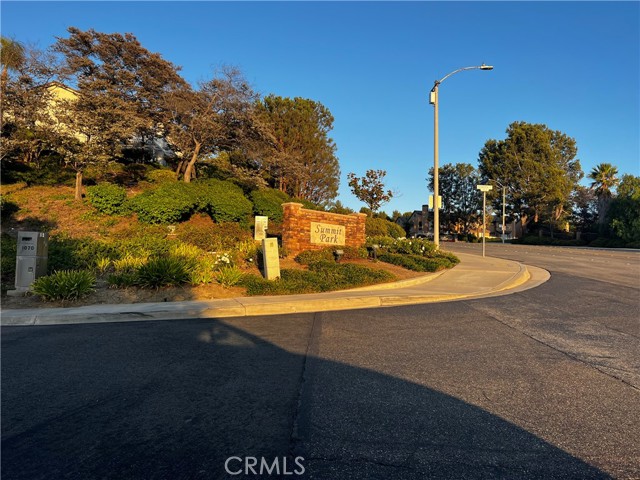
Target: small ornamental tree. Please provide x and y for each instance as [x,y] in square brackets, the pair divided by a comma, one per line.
[370,188]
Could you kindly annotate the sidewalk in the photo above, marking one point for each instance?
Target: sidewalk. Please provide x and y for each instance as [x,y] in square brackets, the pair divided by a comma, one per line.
[474,277]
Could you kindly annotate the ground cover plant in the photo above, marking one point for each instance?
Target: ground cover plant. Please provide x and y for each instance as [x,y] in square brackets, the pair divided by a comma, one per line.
[320,277]
[415,254]
[65,285]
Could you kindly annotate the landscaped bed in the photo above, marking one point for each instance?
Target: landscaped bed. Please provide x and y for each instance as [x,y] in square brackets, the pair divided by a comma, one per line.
[113,257]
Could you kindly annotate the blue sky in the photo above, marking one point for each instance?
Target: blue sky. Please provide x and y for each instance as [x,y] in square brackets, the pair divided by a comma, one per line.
[573,66]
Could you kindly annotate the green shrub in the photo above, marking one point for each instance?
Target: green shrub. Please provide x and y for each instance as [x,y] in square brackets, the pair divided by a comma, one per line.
[229,276]
[129,263]
[65,285]
[67,253]
[602,242]
[312,256]
[122,279]
[143,244]
[413,246]
[327,254]
[381,227]
[164,272]
[107,198]
[223,201]
[269,202]
[213,237]
[8,251]
[353,253]
[103,264]
[416,262]
[321,277]
[161,175]
[169,203]
[173,202]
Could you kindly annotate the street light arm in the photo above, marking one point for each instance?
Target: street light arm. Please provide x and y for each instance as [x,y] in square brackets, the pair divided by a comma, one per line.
[477,67]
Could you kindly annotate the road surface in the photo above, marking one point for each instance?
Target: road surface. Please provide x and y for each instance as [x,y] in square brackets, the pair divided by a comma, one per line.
[538,384]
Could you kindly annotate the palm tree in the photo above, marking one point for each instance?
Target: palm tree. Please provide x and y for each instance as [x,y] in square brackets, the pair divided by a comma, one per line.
[604,178]
[12,56]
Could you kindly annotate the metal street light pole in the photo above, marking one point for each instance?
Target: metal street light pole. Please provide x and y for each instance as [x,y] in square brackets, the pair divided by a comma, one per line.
[433,99]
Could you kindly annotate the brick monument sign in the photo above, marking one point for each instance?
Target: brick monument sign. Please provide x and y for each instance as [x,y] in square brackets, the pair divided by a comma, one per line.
[304,229]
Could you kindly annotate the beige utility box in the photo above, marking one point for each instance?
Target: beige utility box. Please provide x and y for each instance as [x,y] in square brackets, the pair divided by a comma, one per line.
[31,258]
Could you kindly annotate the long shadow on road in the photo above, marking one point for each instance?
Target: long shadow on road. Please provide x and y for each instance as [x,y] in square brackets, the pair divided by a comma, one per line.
[174,400]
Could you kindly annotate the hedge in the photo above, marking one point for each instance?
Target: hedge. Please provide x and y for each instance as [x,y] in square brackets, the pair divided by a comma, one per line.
[174,202]
[381,227]
[107,198]
[269,202]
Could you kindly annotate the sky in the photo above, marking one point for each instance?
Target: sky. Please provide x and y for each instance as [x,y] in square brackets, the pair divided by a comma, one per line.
[573,66]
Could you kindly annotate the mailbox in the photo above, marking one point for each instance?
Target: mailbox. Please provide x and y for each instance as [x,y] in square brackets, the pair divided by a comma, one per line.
[31,258]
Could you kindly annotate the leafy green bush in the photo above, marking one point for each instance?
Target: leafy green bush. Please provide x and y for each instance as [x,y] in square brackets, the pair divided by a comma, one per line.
[65,285]
[129,263]
[602,242]
[311,256]
[223,201]
[143,244]
[327,254]
[8,251]
[67,253]
[174,202]
[229,276]
[269,202]
[169,203]
[413,246]
[537,240]
[161,175]
[213,237]
[107,198]
[416,263]
[381,227]
[164,271]
[122,279]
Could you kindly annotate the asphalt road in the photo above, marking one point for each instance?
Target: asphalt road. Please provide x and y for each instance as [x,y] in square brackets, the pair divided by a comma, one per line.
[538,384]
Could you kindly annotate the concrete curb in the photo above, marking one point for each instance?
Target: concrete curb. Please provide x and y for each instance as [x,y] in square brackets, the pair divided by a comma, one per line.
[405,292]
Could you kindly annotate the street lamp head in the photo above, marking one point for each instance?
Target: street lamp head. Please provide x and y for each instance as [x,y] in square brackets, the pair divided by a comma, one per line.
[486,67]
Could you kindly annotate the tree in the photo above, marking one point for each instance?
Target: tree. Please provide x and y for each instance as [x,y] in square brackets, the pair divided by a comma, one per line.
[30,128]
[338,207]
[302,159]
[461,202]
[12,57]
[370,188]
[629,187]
[624,210]
[120,87]
[584,212]
[604,178]
[217,117]
[539,167]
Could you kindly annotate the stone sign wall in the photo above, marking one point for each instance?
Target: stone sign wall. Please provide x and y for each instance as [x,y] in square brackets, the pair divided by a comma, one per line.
[304,229]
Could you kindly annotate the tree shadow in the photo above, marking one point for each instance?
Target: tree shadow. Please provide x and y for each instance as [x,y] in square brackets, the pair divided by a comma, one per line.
[174,400]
